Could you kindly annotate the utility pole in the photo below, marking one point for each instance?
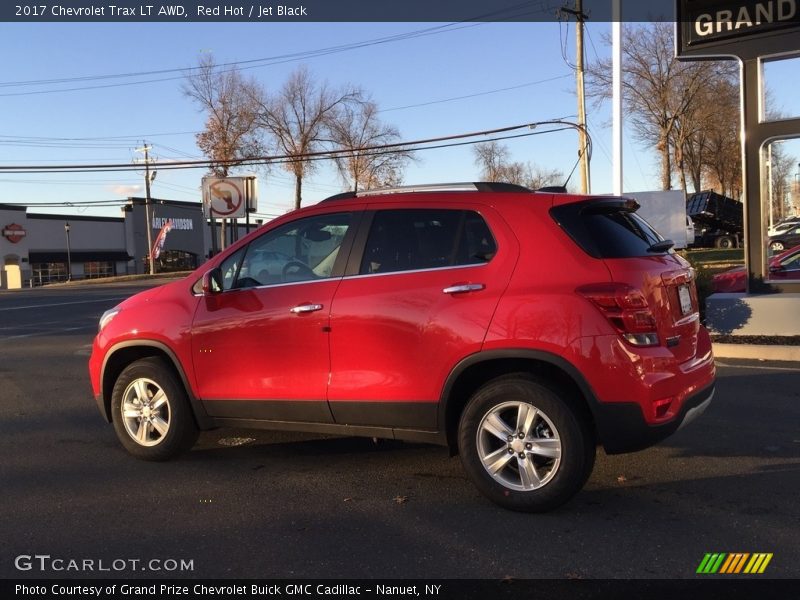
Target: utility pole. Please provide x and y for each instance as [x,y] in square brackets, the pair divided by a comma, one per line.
[580,18]
[616,98]
[147,211]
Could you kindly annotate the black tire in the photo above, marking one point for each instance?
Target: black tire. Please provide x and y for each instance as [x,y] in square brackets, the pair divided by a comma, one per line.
[164,426]
[725,242]
[777,246]
[559,480]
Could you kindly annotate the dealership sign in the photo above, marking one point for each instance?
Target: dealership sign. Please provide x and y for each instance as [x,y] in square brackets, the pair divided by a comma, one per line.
[14,233]
[229,197]
[743,28]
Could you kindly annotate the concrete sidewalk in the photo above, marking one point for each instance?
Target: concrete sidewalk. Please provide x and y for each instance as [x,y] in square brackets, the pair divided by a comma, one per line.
[757,352]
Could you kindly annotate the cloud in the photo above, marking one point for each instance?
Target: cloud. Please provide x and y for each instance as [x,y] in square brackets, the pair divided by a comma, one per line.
[126,190]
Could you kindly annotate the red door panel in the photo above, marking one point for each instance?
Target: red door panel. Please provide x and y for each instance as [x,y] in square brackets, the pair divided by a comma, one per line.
[396,336]
[249,345]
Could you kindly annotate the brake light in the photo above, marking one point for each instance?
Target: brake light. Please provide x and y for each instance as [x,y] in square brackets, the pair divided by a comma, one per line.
[626,309]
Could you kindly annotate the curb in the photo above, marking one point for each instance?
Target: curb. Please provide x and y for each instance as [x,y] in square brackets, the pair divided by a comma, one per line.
[757,352]
[175,275]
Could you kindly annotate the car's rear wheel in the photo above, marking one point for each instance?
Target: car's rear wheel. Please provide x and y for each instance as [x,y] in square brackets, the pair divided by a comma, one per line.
[725,242]
[523,444]
[151,412]
[776,246]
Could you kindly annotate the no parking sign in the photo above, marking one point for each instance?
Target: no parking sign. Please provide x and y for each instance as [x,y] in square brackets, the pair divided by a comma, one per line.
[229,197]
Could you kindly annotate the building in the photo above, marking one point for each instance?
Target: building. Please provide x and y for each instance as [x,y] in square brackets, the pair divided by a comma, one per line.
[187,244]
[36,249]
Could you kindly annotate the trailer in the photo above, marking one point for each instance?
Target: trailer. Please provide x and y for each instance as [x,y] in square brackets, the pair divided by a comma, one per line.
[718,220]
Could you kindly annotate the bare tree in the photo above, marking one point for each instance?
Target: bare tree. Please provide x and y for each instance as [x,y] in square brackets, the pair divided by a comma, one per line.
[538,177]
[705,138]
[355,127]
[495,164]
[780,169]
[492,158]
[657,88]
[230,134]
[298,119]
[720,135]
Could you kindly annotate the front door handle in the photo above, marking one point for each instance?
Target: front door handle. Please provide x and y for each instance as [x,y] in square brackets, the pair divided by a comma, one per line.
[305,308]
[465,287]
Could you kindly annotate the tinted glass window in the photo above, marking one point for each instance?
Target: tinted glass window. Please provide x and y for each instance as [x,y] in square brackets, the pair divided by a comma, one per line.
[411,239]
[608,229]
[230,267]
[791,262]
[303,250]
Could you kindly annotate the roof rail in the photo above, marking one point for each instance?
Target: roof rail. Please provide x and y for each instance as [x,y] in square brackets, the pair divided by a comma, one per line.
[478,186]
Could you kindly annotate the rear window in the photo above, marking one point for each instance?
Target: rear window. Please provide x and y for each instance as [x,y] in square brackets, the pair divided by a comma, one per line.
[607,229]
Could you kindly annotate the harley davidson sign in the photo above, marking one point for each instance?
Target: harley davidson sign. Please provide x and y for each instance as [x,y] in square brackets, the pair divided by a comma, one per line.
[14,233]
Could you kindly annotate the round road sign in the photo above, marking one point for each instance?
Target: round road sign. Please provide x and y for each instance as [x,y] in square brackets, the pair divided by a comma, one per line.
[226,199]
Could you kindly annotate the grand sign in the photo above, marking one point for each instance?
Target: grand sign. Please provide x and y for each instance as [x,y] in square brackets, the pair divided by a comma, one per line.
[743,28]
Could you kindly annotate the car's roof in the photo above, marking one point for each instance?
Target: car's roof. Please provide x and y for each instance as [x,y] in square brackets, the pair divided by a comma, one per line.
[479,192]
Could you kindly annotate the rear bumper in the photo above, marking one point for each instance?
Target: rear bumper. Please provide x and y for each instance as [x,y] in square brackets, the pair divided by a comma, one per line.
[622,426]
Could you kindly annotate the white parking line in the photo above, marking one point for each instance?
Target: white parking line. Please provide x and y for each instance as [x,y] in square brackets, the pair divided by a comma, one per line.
[64,303]
[38,325]
[794,370]
[48,332]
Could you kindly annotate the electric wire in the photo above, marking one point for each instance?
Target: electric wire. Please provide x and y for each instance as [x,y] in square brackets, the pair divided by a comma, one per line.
[275,159]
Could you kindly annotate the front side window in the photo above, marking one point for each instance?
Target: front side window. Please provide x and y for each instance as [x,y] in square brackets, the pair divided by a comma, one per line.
[414,239]
[303,250]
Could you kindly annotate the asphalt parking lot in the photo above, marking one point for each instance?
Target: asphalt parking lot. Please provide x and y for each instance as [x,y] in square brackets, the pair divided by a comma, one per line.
[262,504]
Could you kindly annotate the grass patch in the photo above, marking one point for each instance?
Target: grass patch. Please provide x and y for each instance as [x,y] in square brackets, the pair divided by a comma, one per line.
[706,255]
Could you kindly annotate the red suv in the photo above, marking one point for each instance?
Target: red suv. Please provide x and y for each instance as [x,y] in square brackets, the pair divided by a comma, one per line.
[520,329]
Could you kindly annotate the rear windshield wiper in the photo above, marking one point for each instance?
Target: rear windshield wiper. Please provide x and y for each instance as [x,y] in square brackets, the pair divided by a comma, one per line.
[661,246]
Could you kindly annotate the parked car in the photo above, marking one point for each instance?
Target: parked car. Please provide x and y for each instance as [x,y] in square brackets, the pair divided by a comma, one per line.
[519,329]
[784,225]
[784,266]
[784,239]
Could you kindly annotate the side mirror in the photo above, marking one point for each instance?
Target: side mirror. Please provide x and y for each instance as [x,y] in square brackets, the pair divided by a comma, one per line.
[776,269]
[212,282]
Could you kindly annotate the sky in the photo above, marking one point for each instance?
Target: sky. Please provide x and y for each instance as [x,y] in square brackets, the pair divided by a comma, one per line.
[419,83]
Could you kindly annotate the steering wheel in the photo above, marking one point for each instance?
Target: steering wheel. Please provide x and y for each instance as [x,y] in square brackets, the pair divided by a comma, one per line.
[300,268]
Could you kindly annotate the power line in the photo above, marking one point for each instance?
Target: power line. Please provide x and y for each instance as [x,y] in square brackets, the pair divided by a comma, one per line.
[236,64]
[8,139]
[515,12]
[279,159]
[486,93]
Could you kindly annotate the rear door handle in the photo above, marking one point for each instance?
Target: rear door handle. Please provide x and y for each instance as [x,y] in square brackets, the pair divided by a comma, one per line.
[465,287]
[305,308]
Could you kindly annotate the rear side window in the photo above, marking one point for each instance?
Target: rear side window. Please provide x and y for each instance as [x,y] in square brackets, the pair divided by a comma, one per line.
[414,239]
[607,229]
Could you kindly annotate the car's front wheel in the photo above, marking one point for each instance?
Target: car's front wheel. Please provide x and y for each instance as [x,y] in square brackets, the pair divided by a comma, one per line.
[151,412]
[524,445]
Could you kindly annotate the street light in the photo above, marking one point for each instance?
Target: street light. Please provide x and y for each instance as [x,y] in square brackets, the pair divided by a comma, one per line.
[69,254]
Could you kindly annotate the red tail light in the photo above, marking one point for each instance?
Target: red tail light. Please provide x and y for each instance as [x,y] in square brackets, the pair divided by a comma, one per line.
[627,310]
